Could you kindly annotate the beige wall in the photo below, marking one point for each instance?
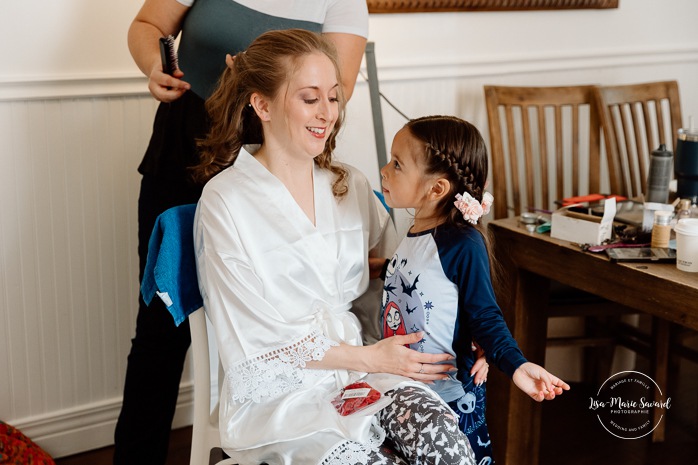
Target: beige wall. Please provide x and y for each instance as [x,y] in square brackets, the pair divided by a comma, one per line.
[75,117]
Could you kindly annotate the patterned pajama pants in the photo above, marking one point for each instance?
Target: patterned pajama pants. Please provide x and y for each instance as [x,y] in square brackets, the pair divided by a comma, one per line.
[470,410]
[420,430]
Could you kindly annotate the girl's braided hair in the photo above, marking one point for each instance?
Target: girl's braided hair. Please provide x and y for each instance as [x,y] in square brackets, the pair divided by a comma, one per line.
[455,150]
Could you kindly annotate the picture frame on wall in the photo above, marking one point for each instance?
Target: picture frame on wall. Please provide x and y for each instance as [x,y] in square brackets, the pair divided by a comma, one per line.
[425,6]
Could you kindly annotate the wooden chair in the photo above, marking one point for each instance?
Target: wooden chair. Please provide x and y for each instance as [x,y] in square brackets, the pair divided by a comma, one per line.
[545,145]
[636,119]
[538,153]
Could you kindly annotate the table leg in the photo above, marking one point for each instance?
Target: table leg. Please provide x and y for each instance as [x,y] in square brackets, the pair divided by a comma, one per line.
[514,419]
[661,330]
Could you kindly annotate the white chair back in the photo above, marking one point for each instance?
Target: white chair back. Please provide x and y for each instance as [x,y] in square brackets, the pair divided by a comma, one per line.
[205,435]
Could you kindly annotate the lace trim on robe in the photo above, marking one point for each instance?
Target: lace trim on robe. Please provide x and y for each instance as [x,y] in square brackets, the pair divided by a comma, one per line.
[278,372]
[350,452]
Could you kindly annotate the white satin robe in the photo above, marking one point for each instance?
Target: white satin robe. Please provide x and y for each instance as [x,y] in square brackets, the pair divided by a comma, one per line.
[278,291]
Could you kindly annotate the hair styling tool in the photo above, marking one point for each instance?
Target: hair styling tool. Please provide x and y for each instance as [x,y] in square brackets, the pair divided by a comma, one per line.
[168,55]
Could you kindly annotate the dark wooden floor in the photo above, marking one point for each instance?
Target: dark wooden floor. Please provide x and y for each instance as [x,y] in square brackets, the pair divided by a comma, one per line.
[180,447]
[571,434]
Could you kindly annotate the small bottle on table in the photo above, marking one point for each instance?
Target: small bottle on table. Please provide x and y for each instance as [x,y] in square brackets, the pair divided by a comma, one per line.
[661,230]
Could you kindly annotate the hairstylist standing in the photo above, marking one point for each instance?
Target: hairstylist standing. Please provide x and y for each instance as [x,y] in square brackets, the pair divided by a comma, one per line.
[210,29]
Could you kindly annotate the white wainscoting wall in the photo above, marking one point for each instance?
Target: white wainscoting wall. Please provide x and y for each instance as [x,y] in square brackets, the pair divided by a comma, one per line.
[69,148]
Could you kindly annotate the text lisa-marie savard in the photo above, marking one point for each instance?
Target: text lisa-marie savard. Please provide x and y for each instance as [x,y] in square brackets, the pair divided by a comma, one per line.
[619,403]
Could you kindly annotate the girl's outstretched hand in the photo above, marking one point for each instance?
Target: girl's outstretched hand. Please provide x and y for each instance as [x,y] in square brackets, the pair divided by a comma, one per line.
[391,355]
[535,381]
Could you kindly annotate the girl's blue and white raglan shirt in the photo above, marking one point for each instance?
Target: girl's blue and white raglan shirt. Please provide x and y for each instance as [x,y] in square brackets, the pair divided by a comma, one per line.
[439,282]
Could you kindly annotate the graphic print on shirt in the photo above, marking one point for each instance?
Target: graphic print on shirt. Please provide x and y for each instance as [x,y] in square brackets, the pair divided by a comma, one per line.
[393,324]
[403,311]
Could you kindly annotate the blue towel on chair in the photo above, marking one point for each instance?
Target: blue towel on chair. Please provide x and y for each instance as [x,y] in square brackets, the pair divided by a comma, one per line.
[170,270]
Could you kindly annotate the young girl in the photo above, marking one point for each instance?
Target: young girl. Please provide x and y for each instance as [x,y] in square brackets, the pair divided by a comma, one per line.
[439,281]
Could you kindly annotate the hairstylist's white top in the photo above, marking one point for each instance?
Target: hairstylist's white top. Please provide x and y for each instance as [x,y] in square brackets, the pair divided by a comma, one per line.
[349,16]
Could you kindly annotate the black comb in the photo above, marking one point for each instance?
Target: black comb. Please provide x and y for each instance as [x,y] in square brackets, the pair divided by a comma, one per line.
[168,55]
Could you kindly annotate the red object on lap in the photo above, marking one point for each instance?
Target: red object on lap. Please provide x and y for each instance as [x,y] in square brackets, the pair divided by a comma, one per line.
[347,406]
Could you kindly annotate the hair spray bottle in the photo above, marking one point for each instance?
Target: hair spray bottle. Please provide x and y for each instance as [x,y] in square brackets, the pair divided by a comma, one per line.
[661,161]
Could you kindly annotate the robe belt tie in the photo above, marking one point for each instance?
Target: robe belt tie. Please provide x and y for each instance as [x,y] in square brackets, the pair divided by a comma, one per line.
[341,325]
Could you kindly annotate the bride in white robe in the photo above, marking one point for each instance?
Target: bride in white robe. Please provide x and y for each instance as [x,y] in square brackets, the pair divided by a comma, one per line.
[278,291]
[281,256]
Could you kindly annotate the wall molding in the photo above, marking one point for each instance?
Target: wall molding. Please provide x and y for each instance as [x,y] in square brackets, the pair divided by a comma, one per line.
[91,426]
[63,87]
[431,68]
[405,69]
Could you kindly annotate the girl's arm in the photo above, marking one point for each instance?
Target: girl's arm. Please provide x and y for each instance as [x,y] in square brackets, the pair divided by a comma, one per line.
[156,19]
[478,307]
[490,330]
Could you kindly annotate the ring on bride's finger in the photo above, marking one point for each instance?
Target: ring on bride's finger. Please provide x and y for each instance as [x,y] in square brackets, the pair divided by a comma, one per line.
[421,369]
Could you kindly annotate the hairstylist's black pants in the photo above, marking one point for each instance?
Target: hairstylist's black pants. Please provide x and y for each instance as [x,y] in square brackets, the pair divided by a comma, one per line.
[158,349]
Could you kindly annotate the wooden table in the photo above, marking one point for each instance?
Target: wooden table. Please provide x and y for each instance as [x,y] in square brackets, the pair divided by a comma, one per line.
[529,261]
